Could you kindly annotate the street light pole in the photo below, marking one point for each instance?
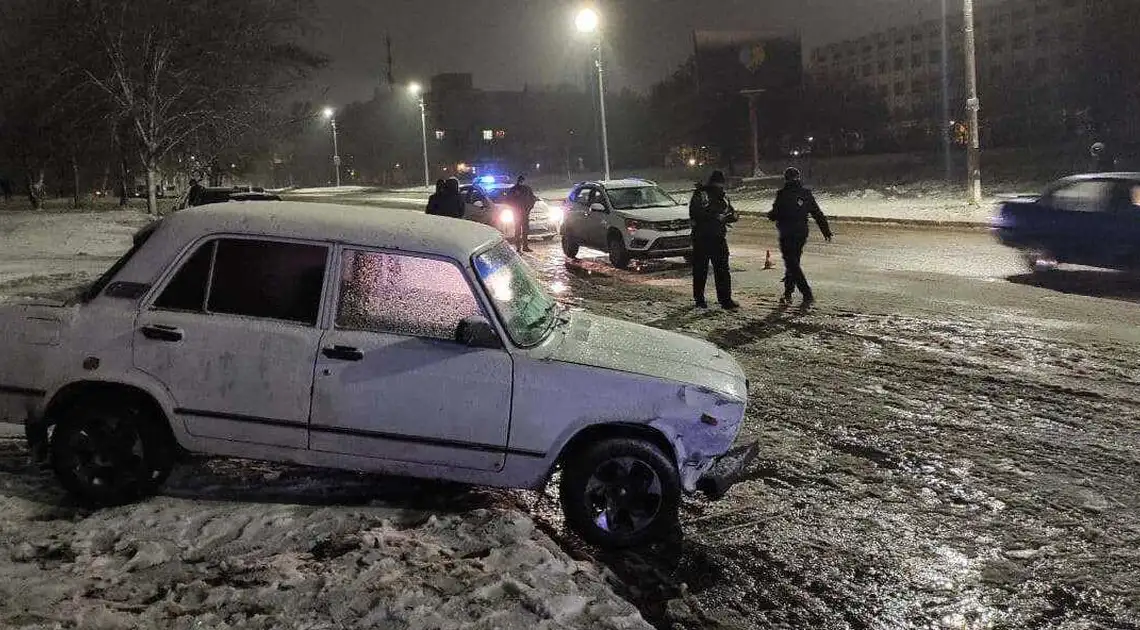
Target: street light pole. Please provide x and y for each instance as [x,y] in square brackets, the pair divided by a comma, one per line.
[973,152]
[588,22]
[945,122]
[602,108]
[331,115]
[417,90]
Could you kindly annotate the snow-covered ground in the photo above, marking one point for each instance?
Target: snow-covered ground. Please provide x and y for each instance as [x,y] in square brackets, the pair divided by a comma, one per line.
[234,544]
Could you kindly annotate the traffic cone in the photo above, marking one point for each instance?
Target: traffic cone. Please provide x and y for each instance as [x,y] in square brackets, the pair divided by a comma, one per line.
[768,260]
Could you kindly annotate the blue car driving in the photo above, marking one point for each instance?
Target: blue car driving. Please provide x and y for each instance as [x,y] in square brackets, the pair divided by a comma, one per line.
[1091,220]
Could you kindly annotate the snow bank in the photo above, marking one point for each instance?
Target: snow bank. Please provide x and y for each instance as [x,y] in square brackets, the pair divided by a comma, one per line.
[199,563]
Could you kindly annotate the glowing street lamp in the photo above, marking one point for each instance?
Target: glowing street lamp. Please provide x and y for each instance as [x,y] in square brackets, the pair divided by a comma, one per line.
[417,90]
[330,114]
[588,22]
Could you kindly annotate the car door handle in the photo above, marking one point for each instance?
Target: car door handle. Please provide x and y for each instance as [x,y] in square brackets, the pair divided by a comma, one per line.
[158,332]
[343,353]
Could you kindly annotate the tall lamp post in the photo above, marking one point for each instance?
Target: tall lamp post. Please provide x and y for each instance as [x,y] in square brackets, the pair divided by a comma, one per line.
[417,91]
[588,23]
[973,152]
[330,113]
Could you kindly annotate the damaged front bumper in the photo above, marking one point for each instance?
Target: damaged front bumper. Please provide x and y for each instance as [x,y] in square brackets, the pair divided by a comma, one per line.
[728,470]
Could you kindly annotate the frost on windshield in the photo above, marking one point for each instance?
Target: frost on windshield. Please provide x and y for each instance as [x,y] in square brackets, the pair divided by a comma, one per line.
[403,295]
[526,310]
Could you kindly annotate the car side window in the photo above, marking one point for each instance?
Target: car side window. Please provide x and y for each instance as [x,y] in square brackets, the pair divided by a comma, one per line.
[268,279]
[1085,196]
[403,295]
[186,291]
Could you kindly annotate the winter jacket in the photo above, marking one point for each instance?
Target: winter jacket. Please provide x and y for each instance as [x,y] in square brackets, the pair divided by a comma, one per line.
[794,204]
[710,212]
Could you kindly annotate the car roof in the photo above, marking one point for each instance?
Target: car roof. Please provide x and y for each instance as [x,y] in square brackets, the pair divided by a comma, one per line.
[630,182]
[1124,176]
[358,225]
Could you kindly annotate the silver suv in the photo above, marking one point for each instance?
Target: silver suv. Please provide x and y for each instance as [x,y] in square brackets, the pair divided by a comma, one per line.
[628,218]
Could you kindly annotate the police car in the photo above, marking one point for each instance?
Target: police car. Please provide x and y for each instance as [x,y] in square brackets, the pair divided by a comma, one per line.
[486,202]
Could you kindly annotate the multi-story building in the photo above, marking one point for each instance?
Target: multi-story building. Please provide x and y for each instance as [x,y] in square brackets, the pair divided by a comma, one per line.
[1026,62]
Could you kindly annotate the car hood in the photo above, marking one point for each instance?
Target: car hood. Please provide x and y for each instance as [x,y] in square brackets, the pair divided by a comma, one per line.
[614,344]
[672,213]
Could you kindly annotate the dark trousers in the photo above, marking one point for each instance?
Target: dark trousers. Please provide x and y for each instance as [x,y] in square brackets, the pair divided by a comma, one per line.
[716,253]
[792,249]
[522,230]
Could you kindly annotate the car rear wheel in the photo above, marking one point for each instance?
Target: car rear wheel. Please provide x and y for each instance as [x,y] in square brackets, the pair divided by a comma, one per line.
[570,246]
[1040,260]
[619,255]
[106,453]
[620,492]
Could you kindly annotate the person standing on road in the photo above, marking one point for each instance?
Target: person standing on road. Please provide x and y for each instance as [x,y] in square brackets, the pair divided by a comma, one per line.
[195,192]
[522,199]
[794,204]
[710,213]
[435,201]
[453,205]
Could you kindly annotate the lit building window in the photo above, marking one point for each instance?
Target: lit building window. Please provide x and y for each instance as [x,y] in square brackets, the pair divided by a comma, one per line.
[440,134]
[488,135]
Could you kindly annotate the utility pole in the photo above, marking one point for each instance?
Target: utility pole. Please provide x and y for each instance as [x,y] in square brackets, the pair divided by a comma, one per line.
[947,157]
[973,152]
[602,108]
[754,125]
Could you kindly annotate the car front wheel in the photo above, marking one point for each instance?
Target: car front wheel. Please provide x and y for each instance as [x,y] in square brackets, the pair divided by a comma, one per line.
[108,453]
[619,255]
[620,492]
[570,246]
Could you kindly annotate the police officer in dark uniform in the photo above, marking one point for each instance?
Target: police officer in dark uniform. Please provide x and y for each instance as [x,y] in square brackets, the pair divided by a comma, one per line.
[710,213]
[435,201]
[523,200]
[793,205]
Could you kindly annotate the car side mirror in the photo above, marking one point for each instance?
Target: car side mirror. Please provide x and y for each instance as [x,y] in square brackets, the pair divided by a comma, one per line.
[477,332]
[597,207]
[478,204]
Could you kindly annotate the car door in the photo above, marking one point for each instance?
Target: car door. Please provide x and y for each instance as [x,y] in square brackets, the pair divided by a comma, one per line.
[1081,222]
[1124,214]
[233,336]
[476,207]
[392,382]
[574,212]
[597,221]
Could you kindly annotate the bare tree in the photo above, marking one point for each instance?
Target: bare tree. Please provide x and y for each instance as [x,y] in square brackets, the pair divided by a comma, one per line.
[177,70]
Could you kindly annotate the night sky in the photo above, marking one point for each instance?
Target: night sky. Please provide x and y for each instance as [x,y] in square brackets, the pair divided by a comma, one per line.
[507,44]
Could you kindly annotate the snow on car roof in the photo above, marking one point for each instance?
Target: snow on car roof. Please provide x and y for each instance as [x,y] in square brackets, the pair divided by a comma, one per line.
[627,183]
[357,225]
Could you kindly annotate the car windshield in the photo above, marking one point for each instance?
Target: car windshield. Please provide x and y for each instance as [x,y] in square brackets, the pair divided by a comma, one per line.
[640,197]
[527,312]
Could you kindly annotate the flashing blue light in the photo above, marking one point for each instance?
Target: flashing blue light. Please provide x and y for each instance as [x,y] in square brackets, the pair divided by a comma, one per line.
[487,179]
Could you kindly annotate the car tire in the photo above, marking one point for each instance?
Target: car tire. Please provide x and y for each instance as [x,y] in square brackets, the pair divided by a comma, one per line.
[620,492]
[619,255]
[110,453]
[1040,261]
[570,246]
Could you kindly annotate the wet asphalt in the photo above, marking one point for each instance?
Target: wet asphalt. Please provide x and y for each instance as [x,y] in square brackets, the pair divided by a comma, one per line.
[947,441]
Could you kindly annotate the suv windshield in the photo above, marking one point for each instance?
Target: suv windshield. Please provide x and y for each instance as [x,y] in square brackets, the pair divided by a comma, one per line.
[640,197]
[527,312]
